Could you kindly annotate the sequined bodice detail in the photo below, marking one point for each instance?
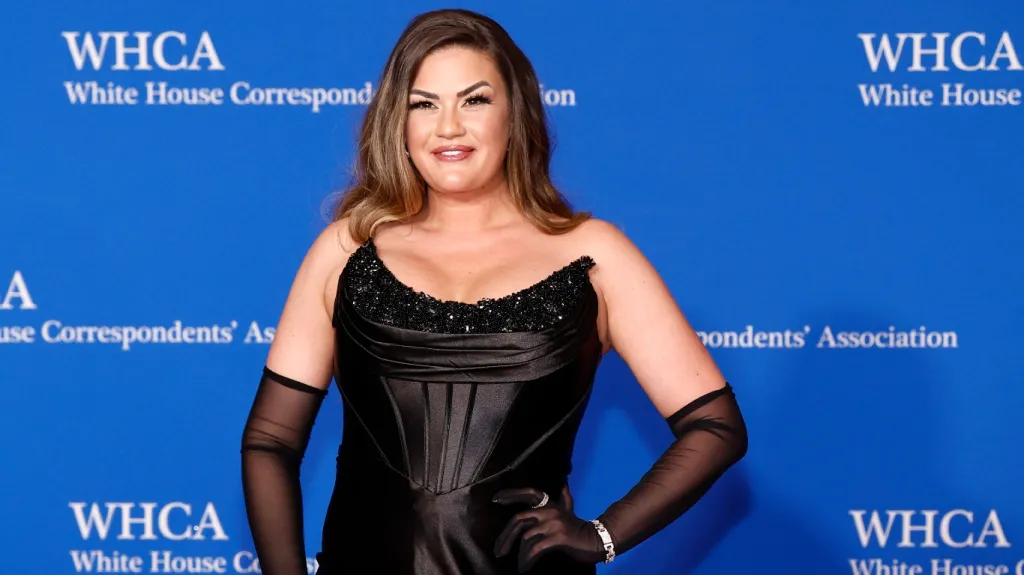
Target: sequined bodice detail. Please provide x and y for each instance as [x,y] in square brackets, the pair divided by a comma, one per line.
[379,296]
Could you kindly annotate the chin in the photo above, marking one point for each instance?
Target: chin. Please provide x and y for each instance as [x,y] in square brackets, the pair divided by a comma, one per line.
[457,185]
[461,187]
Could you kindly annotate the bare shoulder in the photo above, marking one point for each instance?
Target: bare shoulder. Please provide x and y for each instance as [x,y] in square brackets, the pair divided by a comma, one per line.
[334,244]
[621,274]
[600,234]
[612,250]
[330,253]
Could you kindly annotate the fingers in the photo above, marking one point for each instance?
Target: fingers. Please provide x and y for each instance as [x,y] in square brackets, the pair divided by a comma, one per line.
[527,495]
[533,548]
[530,528]
[513,530]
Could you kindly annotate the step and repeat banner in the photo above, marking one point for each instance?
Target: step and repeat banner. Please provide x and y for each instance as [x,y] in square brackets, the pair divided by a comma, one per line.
[832,191]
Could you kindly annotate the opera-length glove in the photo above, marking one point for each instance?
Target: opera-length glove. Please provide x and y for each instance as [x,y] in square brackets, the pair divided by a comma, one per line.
[711,436]
[273,444]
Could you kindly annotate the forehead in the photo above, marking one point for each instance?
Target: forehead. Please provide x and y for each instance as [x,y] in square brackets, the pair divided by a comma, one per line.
[451,69]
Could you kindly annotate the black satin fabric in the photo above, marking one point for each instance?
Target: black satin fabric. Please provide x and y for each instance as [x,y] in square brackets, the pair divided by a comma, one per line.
[435,424]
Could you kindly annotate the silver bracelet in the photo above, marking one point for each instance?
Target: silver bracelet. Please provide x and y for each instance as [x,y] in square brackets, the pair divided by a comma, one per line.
[606,539]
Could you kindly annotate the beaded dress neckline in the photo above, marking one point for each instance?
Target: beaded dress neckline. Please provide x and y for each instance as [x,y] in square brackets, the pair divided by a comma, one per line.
[380,296]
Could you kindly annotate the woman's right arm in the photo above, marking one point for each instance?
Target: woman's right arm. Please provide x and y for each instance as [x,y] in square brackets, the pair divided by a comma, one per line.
[294,383]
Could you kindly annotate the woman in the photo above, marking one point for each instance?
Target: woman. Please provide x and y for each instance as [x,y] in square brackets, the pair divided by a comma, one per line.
[463,388]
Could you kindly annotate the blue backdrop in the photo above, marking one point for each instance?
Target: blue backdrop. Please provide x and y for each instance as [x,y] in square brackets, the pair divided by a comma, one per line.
[847,243]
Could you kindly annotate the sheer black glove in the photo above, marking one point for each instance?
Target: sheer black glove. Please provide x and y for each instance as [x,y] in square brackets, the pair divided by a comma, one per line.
[540,530]
[711,436]
[273,444]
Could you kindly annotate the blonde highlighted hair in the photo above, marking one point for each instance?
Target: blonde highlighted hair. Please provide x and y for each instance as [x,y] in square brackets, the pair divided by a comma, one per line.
[388,188]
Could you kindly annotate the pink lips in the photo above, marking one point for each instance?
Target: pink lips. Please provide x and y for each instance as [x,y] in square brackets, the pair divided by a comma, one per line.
[452,153]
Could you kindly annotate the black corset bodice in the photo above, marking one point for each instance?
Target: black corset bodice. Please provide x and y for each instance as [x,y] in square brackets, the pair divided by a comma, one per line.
[446,403]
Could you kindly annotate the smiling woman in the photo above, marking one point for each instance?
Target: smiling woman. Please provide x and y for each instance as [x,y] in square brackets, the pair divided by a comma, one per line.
[466,361]
[452,77]
[458,140]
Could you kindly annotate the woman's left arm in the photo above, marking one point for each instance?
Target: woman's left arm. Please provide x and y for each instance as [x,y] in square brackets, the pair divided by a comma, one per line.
[648,330]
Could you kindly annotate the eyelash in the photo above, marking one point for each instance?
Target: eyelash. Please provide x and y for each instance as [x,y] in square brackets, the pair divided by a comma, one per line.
[472,100]
[479,98]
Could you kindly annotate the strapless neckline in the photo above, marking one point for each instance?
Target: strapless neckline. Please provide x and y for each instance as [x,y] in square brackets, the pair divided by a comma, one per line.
[379,296]
[583,262]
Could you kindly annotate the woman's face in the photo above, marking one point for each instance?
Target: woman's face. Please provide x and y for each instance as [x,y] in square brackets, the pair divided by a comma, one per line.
[457,129]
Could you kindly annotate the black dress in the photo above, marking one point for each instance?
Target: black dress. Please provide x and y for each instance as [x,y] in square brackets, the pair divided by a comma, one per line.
[446,403]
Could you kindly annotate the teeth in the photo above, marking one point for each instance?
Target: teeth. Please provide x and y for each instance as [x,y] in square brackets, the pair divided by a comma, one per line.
[451,153]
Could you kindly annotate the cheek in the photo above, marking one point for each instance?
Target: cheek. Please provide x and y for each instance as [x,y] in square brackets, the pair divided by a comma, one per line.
[494,129]
[417,132]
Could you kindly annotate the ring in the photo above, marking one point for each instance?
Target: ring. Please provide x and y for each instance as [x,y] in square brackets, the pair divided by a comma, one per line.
[543,501]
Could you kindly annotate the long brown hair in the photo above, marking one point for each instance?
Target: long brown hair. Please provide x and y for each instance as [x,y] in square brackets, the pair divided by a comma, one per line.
[388,188]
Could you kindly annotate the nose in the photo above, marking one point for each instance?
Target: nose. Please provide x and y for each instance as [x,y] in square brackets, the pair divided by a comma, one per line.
[448,124]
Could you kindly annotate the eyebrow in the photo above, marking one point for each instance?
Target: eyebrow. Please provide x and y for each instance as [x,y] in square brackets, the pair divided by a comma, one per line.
[461,93]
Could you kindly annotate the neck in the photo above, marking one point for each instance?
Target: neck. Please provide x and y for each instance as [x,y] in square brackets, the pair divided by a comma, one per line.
[468,212]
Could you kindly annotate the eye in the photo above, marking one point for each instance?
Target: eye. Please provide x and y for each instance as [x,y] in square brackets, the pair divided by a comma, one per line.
[420,105]
[478,99]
